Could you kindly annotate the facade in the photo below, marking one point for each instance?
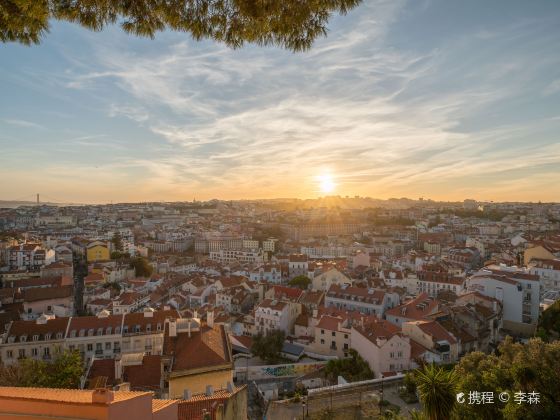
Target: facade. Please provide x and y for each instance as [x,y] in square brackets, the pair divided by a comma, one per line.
[366,301]
[97,251]
[273,315]
[333,276]
[28,257]
[383,346]
[431,335]
[228,256]
[519,294]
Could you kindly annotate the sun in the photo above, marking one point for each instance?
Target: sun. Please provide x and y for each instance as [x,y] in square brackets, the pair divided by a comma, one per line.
[326,184]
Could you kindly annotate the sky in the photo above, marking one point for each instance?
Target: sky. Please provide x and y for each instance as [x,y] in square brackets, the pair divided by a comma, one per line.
[421,98]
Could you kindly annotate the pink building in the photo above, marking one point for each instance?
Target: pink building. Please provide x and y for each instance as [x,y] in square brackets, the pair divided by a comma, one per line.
[383,346]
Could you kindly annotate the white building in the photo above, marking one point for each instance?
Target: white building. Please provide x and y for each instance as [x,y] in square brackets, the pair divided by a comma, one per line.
[273,315]
[518,292]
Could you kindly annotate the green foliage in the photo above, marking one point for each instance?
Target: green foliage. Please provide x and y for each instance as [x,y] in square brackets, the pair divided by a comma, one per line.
[292,24]
[534,366]
[117,241]
[112,285]
[409,383]
[302,282]
[437,391]
[117,255]
[141,266]
[549,323]
[64,371]
[352,369]
[268,347]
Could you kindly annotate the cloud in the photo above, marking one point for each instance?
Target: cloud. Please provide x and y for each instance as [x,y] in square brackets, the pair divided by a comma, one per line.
[385,117]
[24,123]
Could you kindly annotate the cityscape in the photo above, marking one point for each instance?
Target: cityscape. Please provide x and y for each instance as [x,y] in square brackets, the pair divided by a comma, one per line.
[239,209]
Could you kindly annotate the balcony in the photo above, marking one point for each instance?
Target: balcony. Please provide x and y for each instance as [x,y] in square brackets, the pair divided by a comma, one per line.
[116,350]
[98,352]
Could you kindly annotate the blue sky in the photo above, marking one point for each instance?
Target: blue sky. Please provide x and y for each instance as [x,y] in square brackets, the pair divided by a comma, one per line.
[441,99]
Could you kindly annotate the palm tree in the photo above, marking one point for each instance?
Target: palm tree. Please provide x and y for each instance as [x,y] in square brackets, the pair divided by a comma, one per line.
[437,387]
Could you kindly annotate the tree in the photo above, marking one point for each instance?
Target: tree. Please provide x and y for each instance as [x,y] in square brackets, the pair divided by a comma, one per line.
[268,347]
[352,369]
[302,282]
[117,241]
[436,387]
[517,367]
[65,371]
[549,323]
[292,24]
[141,267]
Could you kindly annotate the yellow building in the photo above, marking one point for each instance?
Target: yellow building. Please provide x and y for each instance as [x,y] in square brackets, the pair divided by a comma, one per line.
[198,359]
[98,251]
[539,251]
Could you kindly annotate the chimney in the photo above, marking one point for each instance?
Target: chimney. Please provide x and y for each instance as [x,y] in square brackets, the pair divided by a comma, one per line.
[210,319]
[187,394]
[230,388]
[209,390]
[172,327]
[102,396]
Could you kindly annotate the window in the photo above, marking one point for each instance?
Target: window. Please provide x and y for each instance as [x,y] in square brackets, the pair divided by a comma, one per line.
[322,331]
[98,346]
[59,336]
[21,353]
[9,354]
[35,337]
[345,346]
[34,352]
[333,334]
[47,351]
[322,341]
[345,335]
[108,346]
[90,347]
[48,336]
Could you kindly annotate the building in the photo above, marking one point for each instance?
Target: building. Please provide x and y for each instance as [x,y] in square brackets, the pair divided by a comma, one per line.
[272,314]
[332,276]
[548,271]
[229,256]
[98,251]
[28,257]
[433,336]
[58,269]
[96,404]
[383,346]
[197,358]
[418,308]
[517,291]
[228,403]
[270,273]
[368,301]
[297,265]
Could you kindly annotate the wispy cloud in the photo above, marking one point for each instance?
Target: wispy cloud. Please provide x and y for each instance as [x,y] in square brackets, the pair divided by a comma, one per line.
[23,123]
[385,116]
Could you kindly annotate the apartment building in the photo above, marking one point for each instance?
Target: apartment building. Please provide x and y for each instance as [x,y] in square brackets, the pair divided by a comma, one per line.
[365,300]
[272,315]
[517,291]
[382,344]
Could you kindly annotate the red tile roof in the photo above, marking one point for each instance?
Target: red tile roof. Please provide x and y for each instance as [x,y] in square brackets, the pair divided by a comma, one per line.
[194,408]
[205,348]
